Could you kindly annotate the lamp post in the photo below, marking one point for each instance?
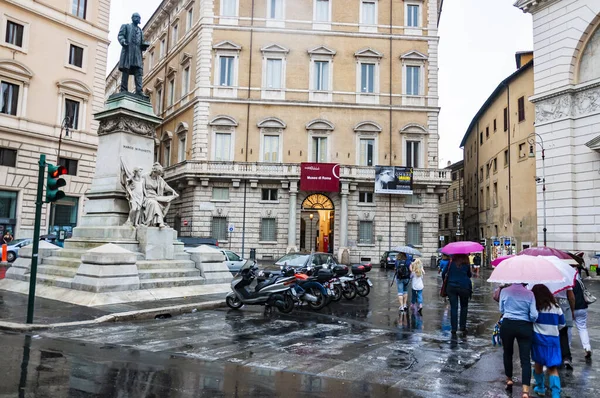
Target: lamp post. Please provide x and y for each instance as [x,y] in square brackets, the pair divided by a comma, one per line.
[531,140]
[312,244]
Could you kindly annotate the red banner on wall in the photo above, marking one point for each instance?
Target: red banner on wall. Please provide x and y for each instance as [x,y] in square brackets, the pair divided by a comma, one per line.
[323,177]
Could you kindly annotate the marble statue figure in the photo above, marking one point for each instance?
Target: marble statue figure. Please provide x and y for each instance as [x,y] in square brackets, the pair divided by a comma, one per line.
[131,39]
[134,187]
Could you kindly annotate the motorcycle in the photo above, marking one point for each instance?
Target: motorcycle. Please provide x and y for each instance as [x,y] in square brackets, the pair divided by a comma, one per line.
[363,283]
[249,286]
[310,287]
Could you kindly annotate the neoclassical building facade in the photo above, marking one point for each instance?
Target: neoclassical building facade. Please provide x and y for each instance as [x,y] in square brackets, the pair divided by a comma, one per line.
[52,71]
[248,91]
[567,106]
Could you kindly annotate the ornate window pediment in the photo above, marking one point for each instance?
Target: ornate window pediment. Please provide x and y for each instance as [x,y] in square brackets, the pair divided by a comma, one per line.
[223,120]
[15,70]
[594,144]
[227,45]
[159,82]
[182,127]
[368,53]
[322,50]
[274,48]
[413,128]
[414,56]
[367,127]
[320,125]
[74,87]
[272,122]
[185,58]
[167,135]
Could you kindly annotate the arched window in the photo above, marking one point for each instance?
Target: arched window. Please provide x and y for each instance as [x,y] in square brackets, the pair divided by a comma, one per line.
[223,137]
[319,131]
[182,132]
[271,140]
[14,79]
[166,141]
[367,134]
[589,65]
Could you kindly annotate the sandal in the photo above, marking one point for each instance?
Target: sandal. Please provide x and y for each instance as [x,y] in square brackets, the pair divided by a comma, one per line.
[509,385]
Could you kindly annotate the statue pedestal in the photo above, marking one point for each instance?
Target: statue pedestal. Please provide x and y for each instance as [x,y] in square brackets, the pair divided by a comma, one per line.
[156,243]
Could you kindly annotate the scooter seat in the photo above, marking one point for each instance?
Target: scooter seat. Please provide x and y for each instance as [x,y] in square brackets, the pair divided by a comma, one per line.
[264,284]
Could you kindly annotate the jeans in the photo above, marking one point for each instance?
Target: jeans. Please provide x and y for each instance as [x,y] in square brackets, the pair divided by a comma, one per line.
[416,297]
[581,323]
[454,295]
[402,286]
[522,331]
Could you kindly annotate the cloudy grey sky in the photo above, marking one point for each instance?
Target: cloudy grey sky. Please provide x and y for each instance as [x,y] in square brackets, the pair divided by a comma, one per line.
[478,42]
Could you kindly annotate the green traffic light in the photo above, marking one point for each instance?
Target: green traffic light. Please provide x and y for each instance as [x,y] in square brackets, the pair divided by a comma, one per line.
[54,182]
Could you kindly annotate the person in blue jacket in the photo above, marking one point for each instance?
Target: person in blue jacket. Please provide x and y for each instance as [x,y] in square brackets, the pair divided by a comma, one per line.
[443,263]
[458,288]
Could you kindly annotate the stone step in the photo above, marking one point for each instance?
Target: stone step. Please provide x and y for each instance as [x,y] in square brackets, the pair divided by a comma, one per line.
[171,282]
[53,280]
[69,262]
[182,256]
[168,273]
[165,264]
[70,253]
[55,270]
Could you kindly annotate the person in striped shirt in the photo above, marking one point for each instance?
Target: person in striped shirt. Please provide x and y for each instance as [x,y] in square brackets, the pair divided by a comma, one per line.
[545,349]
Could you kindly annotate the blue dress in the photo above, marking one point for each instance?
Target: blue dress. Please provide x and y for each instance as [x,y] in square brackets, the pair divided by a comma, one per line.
[545,348]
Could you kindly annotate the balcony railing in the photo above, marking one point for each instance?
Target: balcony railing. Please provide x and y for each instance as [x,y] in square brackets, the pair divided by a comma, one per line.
[277,171]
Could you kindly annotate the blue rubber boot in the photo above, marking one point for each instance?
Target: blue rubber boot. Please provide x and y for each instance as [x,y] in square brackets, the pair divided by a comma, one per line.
[540,388]
[554,383]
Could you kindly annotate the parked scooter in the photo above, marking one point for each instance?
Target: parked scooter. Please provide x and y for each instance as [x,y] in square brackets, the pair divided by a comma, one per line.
[309,289]
[363,283]
[248,288]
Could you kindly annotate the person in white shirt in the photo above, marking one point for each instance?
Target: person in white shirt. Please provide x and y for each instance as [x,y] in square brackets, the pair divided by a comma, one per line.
[416,275]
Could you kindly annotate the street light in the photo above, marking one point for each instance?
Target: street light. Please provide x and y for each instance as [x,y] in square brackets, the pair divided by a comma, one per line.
[531,140]
[312,244]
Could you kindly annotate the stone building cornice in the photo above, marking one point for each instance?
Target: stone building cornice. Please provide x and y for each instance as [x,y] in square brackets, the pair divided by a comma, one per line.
[532,6]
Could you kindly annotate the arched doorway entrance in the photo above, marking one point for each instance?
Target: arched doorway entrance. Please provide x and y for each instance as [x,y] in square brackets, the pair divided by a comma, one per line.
[317,223]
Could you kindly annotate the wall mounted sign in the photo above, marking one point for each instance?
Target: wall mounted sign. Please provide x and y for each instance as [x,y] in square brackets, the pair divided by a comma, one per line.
[324,177]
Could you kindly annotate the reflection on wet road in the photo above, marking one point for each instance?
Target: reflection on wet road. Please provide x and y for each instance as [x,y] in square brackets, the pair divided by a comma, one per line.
[349,349]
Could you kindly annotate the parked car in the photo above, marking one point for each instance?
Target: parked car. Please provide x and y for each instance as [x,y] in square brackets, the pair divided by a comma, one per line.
[13,248]
[234,261]
[301,260]
[388,259]
[195,241]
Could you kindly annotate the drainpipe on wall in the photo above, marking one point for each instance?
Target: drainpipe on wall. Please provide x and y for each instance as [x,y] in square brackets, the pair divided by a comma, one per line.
[509,167]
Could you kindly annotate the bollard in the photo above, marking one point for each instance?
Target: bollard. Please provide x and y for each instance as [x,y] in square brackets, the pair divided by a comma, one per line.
[253,254]
[4,253]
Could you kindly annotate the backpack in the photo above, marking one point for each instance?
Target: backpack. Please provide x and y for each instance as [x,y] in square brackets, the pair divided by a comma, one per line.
[403,272]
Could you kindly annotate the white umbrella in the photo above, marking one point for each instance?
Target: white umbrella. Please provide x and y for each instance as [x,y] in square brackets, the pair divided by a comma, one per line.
[407,250]
[570,274]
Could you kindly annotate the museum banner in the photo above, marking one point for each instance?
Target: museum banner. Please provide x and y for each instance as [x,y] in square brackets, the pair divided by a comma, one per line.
[324,177]
[394,180]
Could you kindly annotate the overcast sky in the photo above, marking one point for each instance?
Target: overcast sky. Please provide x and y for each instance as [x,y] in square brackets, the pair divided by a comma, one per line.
[478,42]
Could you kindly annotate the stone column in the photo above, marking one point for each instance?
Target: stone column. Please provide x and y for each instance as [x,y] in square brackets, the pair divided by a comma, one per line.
[344,215]
[292,217]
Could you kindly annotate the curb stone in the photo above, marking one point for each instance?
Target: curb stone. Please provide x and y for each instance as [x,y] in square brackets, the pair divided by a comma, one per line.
[137,315]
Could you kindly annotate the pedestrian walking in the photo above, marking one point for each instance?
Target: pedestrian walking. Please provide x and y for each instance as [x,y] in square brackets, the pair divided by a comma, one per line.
[7,238]
[416,276]
[477,263]
[458,288]
[403,262]
[443,263]
[518,307]
[581,315]
[545,349]
[566,301]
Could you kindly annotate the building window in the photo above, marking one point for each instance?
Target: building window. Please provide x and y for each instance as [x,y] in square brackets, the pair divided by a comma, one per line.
[171,92]
[454,193]
[218,228]
[412,154]
[322,10]
[440,221]
[495,126]
[414,235]
[321,72]
[76,56]
[522,152]
[365,197]
[487,170]
[415,200]
[368,10]
[495,194]
[8,157]
[72,113]
[9,98]
[69,164]
[271,148]
[223,146]
[505,119]
[481,173]
[367,78]
[446,220]
[181,150]
[269,194]
[275,9]
[274,73]
[487,133]
[454,176]
[79,8]
[226,71]
[454,219]
[64,213]
[151,60]
[487,196]
[412,15]
[412,80]
[506,158]
[167,153]
[159,101]
[162,48]
[367,151]
[481,138]
[190,19]
[185,81]
[495,165]
[365,232]
[319,149]
[268,229]
[175,37]
[521,103]
[14,33]
[220,193]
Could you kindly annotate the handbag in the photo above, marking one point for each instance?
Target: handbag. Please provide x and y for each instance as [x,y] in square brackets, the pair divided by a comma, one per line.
[496,295]
[587,296]
[445,283]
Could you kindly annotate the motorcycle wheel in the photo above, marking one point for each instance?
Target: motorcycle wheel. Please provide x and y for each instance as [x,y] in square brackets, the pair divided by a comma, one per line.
[289,304]
[363,289]
[350,291]
[337,293]
[233,302]
[321,299]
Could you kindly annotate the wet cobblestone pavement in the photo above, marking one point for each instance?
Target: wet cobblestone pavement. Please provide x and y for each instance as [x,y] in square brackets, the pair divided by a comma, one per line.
[353,348]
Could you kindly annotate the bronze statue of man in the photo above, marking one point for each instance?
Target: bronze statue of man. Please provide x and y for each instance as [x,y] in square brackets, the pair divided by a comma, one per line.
[131,39]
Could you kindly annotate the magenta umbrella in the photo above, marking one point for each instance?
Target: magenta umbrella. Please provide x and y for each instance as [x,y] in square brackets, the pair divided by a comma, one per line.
[545,251]
[464,247]
[526,269]
[500,259]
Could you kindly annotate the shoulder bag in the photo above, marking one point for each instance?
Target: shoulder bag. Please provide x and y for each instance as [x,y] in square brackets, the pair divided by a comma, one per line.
[587,296]
[445,282]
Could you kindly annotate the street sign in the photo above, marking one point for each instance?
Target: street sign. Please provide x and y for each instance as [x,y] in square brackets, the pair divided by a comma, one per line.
[441,238]
[231,227]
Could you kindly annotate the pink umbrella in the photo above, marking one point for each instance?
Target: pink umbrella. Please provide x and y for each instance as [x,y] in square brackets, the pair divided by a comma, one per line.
[545,251]
[568,272]
[526,269]
[500,259]
[464,247]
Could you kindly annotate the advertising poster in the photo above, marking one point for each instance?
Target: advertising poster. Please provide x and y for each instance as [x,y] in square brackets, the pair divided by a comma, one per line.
[394,180]
[323,177]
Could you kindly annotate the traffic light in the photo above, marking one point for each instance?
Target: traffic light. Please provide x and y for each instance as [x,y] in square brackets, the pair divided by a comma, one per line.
[54,182]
